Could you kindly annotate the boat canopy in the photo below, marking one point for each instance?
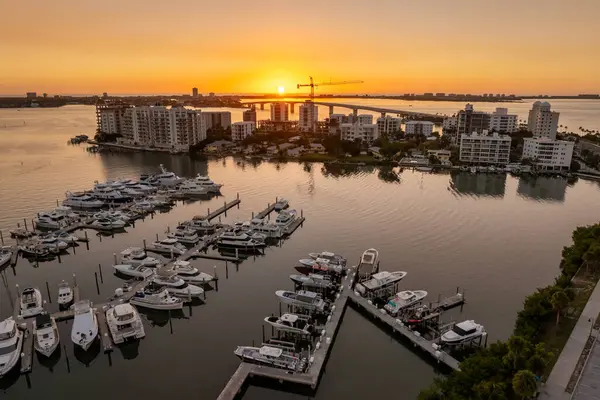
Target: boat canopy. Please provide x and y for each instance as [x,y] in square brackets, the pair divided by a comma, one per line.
[43,321]
[270,351]
[291,318]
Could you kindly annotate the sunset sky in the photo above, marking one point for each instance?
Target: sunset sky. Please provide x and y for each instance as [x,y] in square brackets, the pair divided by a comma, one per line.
[235,46]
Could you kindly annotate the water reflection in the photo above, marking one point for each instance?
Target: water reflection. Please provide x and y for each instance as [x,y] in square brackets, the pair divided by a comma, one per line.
[479,185]
[87,357]
[160,318]
[49,362]
[542,188]
[388,174]
[130,349]
[133,164]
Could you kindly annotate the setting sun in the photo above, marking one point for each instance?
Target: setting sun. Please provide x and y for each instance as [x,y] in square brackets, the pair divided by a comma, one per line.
[280,89]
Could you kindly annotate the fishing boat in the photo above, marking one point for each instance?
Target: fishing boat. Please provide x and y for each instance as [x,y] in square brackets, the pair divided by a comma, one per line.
[65,294]
[312,281]
[85,325]
[293,323]
[281,204]
[190,274]
[137,256]
[302,299]
[462,332]
[271,356]
[319,266]
[156,298]
[329,256]
[66,237]
[403,300]
[34,250]
[45,333]
[5,255]
[11,342]
[124,322]
[188,236]
[176,286]
[369,263]
[51,242]
[379,281]
[135,271]
[31,303]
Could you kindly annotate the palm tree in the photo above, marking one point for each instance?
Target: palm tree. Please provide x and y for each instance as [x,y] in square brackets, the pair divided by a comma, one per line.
[559,300]
[490,390]
[516,349]
[524,384]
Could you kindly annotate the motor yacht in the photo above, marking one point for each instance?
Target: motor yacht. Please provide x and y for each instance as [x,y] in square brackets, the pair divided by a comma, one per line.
[281,204]
[107,224]
[34,250]
[191,188]
[82,200]
[302,299]
[285,218]
[233,238]
[166,178]
[113,215]
[50,242]
[200,225]
[31,303]
[66,237]
[319,266]
[144,205]
[312,281]
[177,286]
[5,255]
[207,184]
[45,334]
[54,220]
[160,201]
[135,271]
[189,273]
[329,256]
[132,193]
[85,325]
[21,233]
[65,294]
[270,356]
[462,332]
[188,236]
[11,342]
[168,246]
[403,300]
[268,229]
[137,256]
[291,323]
[124,322]
[379,281]
[108,194]
[156,298]
[369,263]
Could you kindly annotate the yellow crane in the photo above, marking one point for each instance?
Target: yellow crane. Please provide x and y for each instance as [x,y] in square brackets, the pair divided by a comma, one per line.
[313,85]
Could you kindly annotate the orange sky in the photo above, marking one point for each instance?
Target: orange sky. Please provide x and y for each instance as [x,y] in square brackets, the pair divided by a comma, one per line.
[235,46]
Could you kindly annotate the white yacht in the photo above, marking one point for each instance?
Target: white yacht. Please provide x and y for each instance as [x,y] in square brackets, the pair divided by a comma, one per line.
[113,215]
[34,250]
[369,263]
[303,299]
[54,220]
[144,205]
[207,183]
[31,303]
[5,255]
[177,286]
[281,204]
[271,356]
[131,192]
[140,187]
[85,325]
[124,322]
[107,224]
[11,342]
[462,332]
[200,225]
[66,237]
[319,266]
[329,256]
[166,178]
[192,188]
[168,246]
[65,294]
[108,194]
[160,200]
[291,323]
[188,236]
[45,334]
[404,299]
[190,274]
[135,271]
[82,200]
[233,238]
[50,241]
[137,256]
[312,281]
[156,298]
[285,218]
[380,280]
[269,229]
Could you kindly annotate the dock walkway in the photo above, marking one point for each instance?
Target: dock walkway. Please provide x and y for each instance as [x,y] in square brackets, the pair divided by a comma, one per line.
[221,210]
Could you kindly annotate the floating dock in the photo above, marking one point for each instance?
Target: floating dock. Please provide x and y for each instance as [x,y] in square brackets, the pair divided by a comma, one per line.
[270,208]
[221,210]
[104,332]
[291,228]
[27,351]
[447,303]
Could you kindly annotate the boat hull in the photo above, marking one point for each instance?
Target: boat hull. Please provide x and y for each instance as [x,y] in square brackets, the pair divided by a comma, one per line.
[9,361]
[156,306]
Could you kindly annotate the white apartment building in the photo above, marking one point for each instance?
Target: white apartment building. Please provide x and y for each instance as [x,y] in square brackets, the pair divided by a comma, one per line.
[365,132]
[542,121]
[308,117]
[502,121]
[215,119]
[365,119]
[450,123]
[241,130]
[418,128]
[387,125]
[547,153]
[279,112]
[485,148]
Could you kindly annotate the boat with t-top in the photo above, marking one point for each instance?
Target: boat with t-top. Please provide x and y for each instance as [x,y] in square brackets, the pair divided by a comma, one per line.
[379,281]
[302,299]
[270,356]
[369,263]
[45,333]
[189,273]
[404,299]
[157,298]
[137,256]
[293,323]
[31,302]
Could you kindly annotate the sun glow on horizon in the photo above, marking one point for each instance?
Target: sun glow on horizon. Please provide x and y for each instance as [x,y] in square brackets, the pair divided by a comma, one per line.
[280,90]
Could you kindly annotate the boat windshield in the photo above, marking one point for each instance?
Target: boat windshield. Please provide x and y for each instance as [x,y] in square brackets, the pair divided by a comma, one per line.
[8,335]
[8,349]
[124,317]
[462,332]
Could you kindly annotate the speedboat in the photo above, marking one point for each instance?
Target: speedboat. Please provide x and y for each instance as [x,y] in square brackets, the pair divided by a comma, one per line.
[137,256]
[66,237]
[271,356]
[107,224]
[319,266]
[31,303]
[50,241]
[177,286]
[380,280]
[403,300]
[369,263]
[82,200]
[285,218]
[190,274]
[462,332]
[281,204]
[136,271]
[11,342]
[302,299]
[233,238]
[45,333]
[168,245]
[184,236]
[124,322]
[85,325]
[5,255]
[312,281]
[157,298]
[166,178]
[34,250]
[291,323]
[65,294]
[191,188]
[331,257]
[208,184]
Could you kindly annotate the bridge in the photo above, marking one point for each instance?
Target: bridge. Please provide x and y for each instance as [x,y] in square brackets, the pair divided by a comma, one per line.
[354,107]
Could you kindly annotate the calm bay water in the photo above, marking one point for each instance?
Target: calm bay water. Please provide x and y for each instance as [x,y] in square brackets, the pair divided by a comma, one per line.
[497,236]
